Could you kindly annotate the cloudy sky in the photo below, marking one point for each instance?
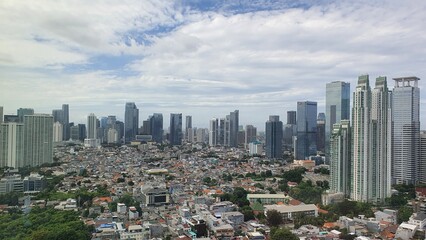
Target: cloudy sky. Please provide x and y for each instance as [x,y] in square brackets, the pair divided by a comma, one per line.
[203,58]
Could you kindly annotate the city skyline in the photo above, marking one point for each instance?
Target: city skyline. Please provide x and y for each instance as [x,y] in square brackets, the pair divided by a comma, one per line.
[201,58]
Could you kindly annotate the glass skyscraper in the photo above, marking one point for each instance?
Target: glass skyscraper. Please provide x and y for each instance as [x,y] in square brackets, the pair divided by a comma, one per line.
[337,107]
[406,129]
[175,135]
[274,136]
[131,121]
[306,130]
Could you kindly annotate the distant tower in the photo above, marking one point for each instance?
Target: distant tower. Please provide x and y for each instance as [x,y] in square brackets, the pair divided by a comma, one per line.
[251,133]
[157,127]
[21,112]
[340,158]
[337,107]
[321,132]
[175,129]
[131,121]
[38,139]
[12,145]
[214,132]
[274,136]
[1,114]
[422,162]
[91,126]
[66,122]
[57,132]
[406,129]
[188,125]
[306,130]
[233,129]
[291,117]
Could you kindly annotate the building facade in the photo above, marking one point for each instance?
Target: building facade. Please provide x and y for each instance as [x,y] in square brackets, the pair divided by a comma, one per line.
[175,135]
[306,130]
[38,139]
[131,121]
[274,136]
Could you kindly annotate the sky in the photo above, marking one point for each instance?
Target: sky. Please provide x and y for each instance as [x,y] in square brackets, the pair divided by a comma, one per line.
[203,58]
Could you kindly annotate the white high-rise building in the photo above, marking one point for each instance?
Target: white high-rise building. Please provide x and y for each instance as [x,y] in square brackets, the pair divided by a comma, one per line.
[214,132]
[112,135]
[57,132]
[92,127]
[371,141]
[406,129]
[381,141]
[12,145]
[340,158]
[38,139]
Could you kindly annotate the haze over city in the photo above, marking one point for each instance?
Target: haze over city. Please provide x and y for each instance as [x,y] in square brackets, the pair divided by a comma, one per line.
[201,58]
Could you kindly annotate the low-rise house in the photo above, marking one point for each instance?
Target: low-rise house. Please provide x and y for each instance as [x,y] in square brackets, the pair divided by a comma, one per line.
[418,219]
[405,231]
[289,212]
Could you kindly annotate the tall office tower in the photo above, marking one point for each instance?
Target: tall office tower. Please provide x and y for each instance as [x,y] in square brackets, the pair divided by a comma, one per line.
[146,126]
[274,136]
[221,140]
[214,132]
[12,145]
[157,127]
[38,139]
[74,133]
[120,129]
[227,136]
[381,141]
[361,109]
[337,107]
[112,135]
[66,122]
[306,130]
[58,115]
[175,129]
[422,163]
[406,129]
[340,158]
[57,132]
[111,122]
[251,133]
[21,112]
[103,122]
[1,114]
[241,137]
[233,128]
[131,121]
[291,117]
[321,132]
[188,125]
[91,127]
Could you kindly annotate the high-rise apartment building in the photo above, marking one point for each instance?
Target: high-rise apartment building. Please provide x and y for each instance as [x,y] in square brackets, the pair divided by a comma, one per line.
[38,139]
[57,132]
[340,158]
[406,129]
[65,122]
[337,107]
[251,134]
[21,112]
[371,141]
[12,145]
[306,130]
[1,114]
[92,126]
[274,136]
[233,128]
[175,135]
[131,121]
[214,132]
[221,140]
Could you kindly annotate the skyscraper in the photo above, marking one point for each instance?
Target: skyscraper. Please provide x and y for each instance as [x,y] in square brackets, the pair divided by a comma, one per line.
[221,140]
[38,139]
[1,114]
[157,127]
[251,133]
[131,121]
[274,136]
[57,132]
[188,125]
[337,106]
[214,132]
[321,132]
[58,115]
[21,112]
[371,139]
[340,158]
[12,145]
[422,163]
[291,117]
[65,122]
[175,129]
[233,128]
[306,130]
[406,129]
[91,127]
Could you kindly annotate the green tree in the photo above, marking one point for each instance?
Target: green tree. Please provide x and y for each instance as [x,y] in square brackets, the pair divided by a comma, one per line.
[404,214]
[273,217]
[282,233]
